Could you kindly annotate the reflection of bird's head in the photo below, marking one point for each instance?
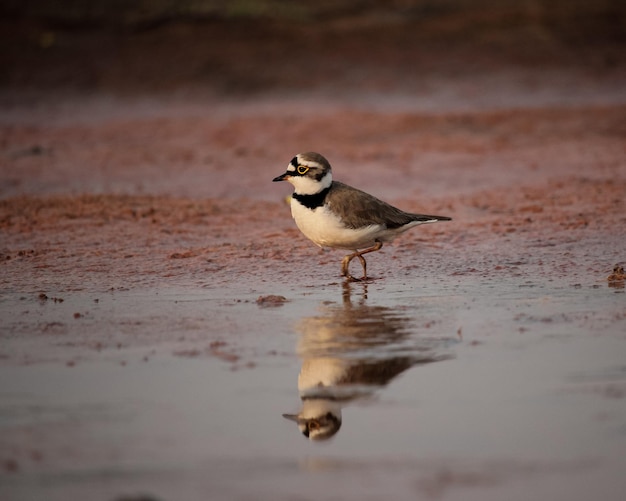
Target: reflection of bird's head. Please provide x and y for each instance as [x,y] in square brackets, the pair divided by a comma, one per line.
[317,428]
[319,418]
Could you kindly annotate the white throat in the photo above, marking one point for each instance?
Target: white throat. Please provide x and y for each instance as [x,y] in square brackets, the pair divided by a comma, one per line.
[307,186]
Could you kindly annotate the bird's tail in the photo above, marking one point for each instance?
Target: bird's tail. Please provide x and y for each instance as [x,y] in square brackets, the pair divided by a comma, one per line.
[423,218]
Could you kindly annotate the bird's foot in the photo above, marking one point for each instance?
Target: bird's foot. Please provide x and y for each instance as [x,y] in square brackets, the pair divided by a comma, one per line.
[350,278]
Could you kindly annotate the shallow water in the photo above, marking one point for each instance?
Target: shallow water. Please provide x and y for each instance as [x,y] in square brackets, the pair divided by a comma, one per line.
[467,391]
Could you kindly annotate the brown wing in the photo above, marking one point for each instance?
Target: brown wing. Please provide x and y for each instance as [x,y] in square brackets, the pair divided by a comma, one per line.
[357,209]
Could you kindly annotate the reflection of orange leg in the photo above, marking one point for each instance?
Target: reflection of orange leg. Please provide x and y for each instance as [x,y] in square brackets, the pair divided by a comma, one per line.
[345,262]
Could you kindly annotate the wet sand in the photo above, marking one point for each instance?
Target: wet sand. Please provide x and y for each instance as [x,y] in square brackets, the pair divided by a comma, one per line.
[140,233]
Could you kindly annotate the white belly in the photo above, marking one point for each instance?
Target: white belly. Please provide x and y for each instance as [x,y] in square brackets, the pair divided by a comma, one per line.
[325,229]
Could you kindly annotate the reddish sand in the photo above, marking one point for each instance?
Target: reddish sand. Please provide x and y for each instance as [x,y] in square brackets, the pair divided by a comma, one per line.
[522,182]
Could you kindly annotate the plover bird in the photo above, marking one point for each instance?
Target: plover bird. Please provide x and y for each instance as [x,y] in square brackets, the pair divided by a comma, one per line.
[333,214]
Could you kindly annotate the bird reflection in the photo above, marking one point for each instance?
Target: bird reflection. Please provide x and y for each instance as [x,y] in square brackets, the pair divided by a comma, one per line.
[349,351]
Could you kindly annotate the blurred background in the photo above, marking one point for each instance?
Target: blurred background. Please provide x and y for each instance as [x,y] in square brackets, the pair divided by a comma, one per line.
[182,96]
[244,47]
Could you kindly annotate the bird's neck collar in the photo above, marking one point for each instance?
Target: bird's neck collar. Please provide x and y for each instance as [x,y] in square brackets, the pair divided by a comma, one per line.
[312,201]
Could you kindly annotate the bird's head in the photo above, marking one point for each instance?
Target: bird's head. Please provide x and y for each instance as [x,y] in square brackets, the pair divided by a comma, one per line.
[309,173]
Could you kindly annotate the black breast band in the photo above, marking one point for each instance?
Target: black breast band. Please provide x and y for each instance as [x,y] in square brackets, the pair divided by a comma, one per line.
[312,201]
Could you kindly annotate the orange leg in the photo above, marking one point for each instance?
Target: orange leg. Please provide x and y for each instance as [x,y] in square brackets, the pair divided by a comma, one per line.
[345,263]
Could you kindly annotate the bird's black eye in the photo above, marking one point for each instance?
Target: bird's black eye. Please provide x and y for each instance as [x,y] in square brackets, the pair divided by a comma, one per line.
[302,169]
